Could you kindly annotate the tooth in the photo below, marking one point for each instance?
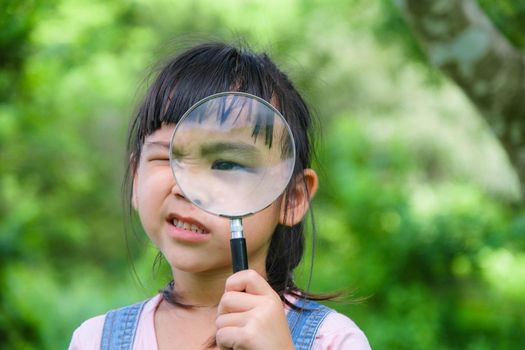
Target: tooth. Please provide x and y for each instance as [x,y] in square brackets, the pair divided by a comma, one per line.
[187,226]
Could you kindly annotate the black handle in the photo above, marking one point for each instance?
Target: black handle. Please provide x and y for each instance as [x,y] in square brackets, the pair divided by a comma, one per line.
[239,256]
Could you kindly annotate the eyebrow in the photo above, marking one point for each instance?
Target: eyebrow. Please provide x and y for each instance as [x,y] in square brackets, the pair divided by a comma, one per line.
[149,144]
[221,147]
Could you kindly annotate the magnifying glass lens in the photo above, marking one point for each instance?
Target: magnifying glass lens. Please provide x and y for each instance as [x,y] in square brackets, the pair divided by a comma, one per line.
[232,154]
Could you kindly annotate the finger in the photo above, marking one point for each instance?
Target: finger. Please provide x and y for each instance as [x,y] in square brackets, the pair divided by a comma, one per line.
[248,281]
[231,320]
[233,338]
[237,302]
[225,337]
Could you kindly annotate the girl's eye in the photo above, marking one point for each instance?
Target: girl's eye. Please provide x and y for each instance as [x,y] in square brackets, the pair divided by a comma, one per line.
[159,159]
[227,165]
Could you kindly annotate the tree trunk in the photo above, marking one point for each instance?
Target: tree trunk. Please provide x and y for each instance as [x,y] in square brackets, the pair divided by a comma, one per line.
[462,41]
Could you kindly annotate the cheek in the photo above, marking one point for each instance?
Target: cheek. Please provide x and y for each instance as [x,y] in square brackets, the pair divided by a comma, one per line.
[146,193]
[260,227]
[152,186]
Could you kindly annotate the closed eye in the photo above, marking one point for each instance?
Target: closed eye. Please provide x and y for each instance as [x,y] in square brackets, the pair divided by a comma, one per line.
[158,158]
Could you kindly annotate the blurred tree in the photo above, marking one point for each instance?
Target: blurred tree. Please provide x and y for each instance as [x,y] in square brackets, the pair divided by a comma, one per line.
[463,42]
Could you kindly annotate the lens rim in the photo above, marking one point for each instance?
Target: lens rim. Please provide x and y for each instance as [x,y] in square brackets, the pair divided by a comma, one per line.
[219,95]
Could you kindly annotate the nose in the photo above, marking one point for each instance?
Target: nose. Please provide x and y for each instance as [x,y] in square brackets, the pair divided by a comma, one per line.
[194,196]
[176,191]
[193,193]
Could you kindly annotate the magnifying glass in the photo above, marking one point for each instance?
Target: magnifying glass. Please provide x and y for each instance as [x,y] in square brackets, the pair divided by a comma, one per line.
[232,155]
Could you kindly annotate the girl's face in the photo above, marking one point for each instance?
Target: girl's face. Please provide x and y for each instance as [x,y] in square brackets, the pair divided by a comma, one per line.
[191,239]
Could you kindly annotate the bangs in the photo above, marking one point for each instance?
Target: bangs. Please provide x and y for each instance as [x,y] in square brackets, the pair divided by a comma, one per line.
[196,74]
[237,109]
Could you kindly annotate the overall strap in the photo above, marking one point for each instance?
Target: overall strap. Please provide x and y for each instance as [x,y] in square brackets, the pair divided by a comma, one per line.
[305,323]
[120,327]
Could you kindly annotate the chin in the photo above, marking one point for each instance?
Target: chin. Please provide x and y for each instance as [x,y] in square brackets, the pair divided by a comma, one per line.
[196,266]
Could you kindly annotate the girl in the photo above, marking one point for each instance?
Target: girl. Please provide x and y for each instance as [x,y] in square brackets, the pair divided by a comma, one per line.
[260,308]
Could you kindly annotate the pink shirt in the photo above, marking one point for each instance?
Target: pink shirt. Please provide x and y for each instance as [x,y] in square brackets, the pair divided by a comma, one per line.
[337,332]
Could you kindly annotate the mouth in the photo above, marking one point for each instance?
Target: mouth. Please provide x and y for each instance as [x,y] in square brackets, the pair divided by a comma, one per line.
[187,224]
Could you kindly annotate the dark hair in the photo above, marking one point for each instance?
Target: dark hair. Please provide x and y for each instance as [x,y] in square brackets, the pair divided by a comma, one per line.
[211,68]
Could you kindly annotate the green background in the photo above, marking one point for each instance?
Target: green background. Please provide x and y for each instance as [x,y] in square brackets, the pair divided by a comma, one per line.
[418,213]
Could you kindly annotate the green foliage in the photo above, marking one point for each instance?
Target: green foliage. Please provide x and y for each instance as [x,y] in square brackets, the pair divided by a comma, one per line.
[415,208]
[431,260]
[509,17]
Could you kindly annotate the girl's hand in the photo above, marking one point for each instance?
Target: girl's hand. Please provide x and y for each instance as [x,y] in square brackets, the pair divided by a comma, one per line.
[251,315]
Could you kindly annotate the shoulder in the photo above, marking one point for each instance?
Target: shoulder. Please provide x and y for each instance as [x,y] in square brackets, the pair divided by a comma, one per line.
[338,332]
[89,334]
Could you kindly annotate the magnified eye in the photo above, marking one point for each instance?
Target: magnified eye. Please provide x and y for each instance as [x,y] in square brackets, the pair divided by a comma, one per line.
[228,165]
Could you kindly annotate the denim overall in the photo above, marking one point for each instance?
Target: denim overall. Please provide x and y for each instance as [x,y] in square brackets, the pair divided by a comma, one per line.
[121,324]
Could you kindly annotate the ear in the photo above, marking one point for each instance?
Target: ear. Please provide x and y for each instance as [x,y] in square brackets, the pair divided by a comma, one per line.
[299,197]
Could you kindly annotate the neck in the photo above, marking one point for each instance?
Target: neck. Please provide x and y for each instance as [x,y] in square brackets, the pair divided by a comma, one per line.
[204,289]
[200,290]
